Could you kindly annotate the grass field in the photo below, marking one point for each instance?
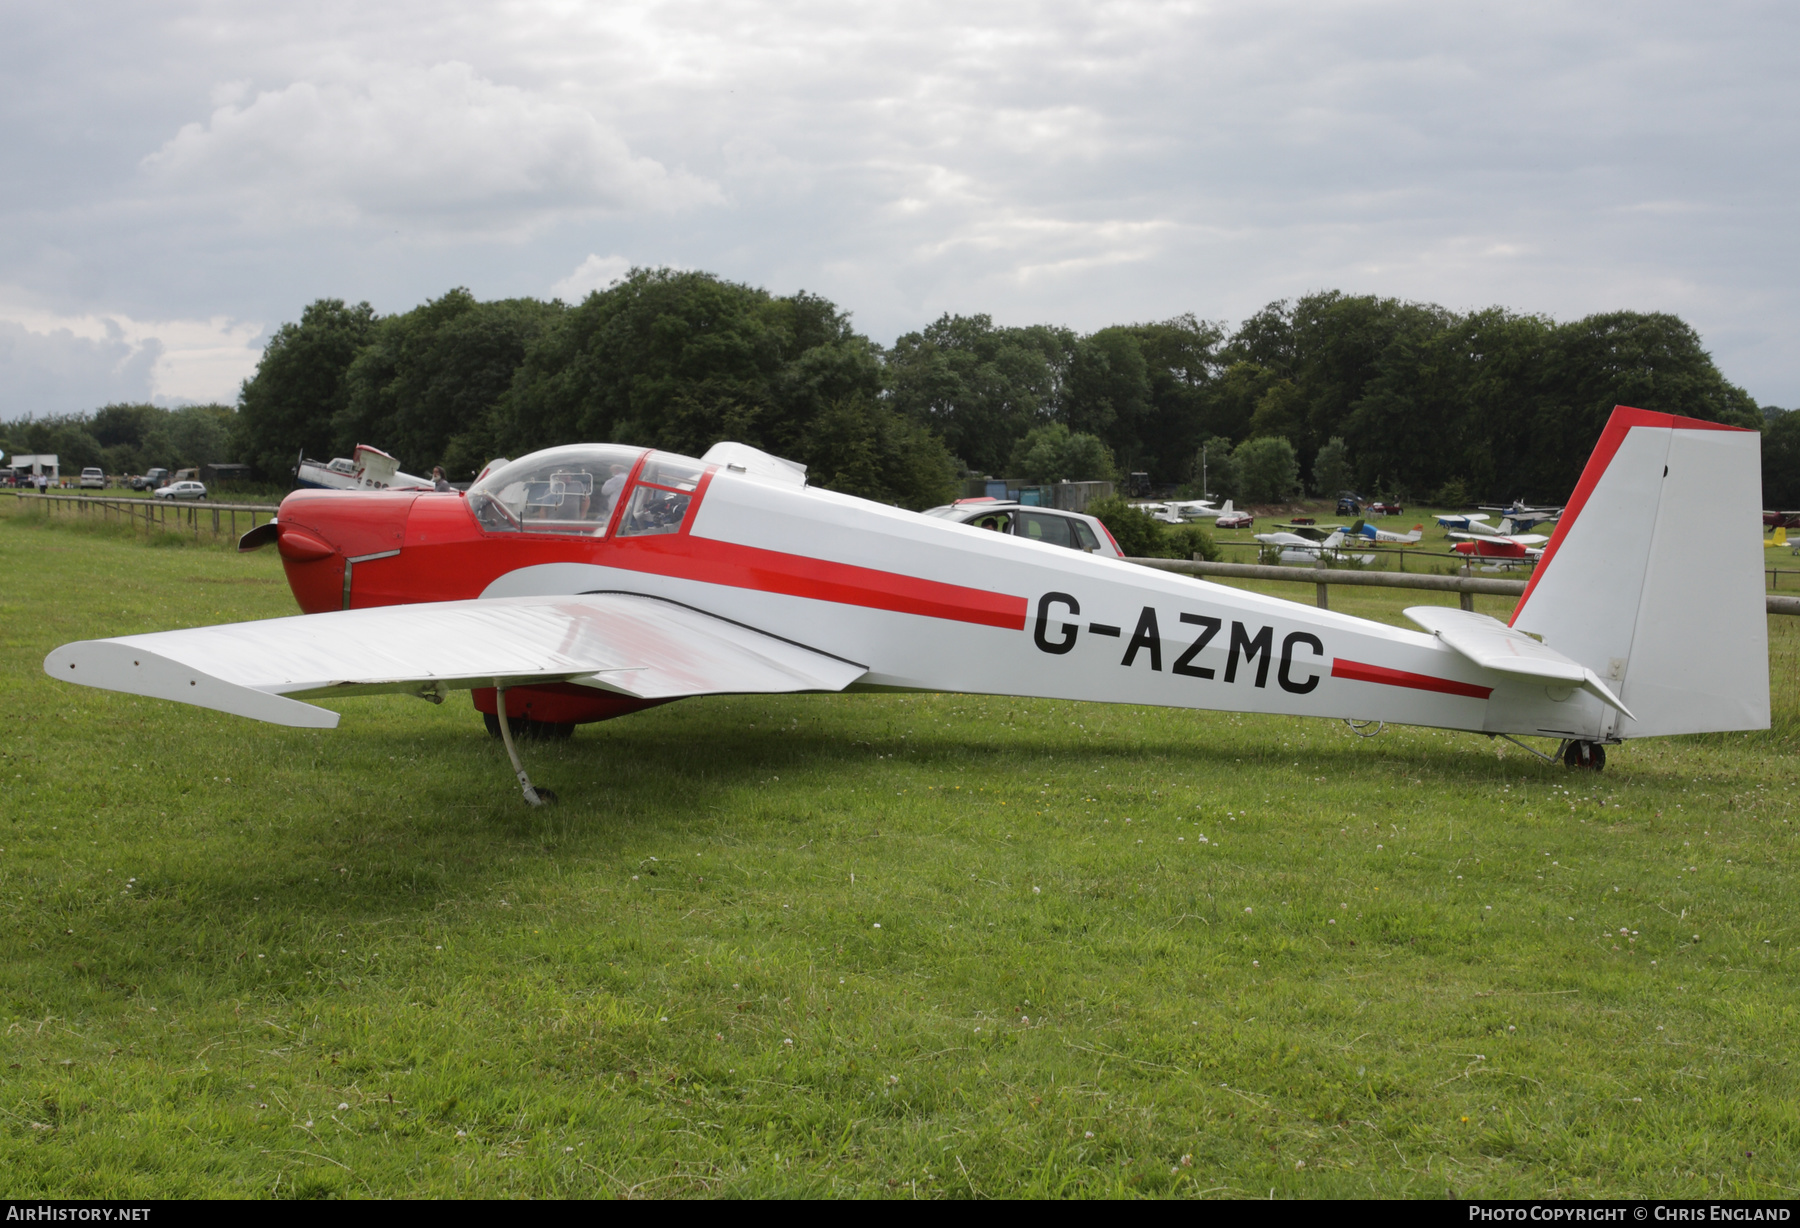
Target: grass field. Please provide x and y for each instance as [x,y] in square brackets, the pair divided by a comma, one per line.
[876,946]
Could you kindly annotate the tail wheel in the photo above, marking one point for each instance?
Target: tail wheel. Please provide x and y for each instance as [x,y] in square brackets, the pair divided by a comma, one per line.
[1588,755]
[525,727]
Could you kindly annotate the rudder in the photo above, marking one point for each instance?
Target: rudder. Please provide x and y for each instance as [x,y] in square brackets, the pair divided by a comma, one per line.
[1653,580]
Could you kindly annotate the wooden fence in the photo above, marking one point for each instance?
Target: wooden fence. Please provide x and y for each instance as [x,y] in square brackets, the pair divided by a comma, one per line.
[168,515]
[1467,586]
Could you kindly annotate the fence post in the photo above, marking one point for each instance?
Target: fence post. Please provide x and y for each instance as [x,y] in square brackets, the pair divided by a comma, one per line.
[1466,599]
[1324,589]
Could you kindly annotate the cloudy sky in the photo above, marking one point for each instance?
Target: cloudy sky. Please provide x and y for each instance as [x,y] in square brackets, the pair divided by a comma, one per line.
[183,177]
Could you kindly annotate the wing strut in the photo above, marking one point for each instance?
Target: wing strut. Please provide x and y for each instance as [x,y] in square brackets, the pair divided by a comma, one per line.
[537,797]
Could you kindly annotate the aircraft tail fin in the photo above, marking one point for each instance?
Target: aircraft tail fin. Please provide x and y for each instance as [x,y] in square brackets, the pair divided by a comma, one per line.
[1650,580]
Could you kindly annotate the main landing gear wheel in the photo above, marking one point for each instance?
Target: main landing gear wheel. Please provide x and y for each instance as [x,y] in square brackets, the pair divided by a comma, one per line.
[1588,755]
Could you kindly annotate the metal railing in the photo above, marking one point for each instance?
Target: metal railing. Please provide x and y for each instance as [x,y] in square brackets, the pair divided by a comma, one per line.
[1323,577]
[165,514]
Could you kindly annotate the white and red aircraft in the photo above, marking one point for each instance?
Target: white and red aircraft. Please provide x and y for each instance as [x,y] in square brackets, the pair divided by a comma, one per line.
[1498,554]
[589,581]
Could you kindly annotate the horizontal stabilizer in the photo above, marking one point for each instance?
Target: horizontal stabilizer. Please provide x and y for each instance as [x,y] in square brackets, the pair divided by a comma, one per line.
[1492,644]
[629,645]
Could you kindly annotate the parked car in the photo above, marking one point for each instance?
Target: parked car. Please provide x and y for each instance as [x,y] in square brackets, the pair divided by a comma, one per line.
[1384,509]
[1349,503]
[152,480]
[92,479]
[1049,525]
[181,490]
[1241,520]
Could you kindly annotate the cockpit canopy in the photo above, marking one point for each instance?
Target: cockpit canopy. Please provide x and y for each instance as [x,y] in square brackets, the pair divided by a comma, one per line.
[560,490]
[577,489]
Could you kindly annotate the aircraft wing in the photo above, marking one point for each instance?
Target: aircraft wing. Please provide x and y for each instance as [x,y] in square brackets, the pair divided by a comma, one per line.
[1492,644]
[629,645]
[1517,539]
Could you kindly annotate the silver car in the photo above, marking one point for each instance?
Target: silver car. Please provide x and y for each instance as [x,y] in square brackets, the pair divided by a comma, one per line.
[182,490]
[1041,524]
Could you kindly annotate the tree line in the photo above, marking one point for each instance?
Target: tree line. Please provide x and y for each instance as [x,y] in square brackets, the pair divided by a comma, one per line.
[1395,398]
[130,438]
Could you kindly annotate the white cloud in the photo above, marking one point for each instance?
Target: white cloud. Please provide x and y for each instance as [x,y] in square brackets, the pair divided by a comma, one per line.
[55,363]
[594,273]
[437,148]
[59,372]
[1082,164]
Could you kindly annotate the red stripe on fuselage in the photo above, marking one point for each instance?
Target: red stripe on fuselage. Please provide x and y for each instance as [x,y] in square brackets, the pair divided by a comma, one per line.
[1356,671]
[794,575]
[447,557]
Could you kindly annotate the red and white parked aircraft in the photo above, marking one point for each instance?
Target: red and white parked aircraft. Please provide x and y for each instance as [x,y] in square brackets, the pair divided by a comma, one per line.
[1502,549]
[589,581]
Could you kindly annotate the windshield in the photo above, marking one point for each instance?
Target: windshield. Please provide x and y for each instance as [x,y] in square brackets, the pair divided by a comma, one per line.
[659,501]
[559,490]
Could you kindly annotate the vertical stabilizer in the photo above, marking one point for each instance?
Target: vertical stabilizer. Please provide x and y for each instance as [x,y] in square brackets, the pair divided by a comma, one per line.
[1653,580]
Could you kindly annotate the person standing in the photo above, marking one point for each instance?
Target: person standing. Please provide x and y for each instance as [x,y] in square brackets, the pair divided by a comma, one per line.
[439,482]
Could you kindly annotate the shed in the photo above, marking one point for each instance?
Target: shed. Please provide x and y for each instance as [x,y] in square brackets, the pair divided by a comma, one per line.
[42,462]
[211,474]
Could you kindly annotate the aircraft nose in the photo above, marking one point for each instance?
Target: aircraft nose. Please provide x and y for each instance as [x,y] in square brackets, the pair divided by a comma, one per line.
[318,531]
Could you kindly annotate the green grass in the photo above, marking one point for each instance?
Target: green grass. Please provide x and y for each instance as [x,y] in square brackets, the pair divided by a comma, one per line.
[243,960]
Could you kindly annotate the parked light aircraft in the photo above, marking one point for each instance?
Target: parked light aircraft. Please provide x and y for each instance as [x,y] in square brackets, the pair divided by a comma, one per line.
[1186,511]
[1299,545]
[1364,529]
[365,469]
[1523,516]
[1465,521]
[1478,525]
[589,581]
[1502,553]
[1491,538]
